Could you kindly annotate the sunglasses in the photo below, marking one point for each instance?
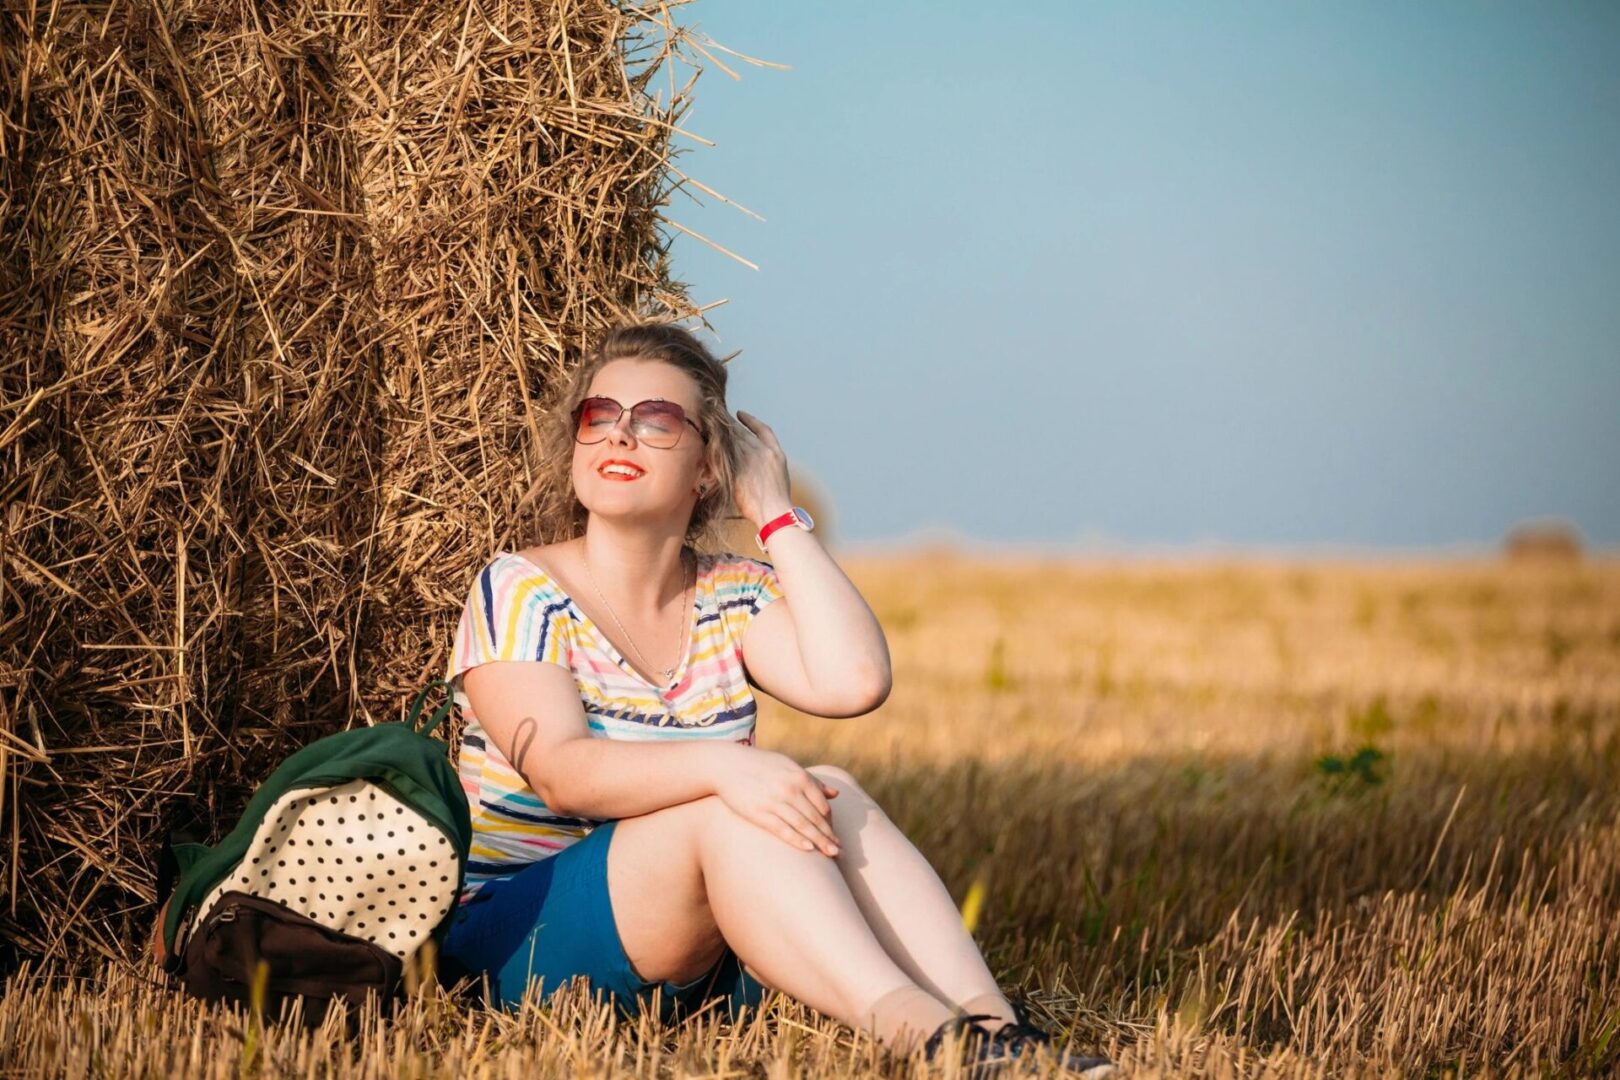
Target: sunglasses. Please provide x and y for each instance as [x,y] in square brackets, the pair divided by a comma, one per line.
[655,421]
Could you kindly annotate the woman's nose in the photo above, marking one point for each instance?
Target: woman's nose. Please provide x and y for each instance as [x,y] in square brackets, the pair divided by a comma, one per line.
[621,432]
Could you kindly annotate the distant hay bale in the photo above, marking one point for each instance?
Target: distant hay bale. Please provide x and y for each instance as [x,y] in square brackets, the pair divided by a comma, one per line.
[1550,540]
[278,286]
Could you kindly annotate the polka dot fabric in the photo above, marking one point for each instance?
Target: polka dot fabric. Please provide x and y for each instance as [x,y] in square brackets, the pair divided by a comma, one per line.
[354,859]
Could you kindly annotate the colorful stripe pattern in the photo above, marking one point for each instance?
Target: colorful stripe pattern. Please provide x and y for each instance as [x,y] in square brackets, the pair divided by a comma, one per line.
[516,611]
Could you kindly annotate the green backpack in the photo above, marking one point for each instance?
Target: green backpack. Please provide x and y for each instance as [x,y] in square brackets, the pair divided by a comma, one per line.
[347,860]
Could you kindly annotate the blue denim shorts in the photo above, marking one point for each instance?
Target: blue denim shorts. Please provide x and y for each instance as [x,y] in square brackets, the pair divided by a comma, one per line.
[553,921]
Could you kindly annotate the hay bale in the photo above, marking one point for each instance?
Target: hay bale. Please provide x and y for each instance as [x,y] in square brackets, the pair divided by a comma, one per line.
[1550,540]
[279,284]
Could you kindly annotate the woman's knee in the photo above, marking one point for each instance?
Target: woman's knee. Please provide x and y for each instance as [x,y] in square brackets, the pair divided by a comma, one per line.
[840,779]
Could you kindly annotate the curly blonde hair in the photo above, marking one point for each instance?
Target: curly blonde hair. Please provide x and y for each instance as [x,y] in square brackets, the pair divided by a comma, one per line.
[560,514]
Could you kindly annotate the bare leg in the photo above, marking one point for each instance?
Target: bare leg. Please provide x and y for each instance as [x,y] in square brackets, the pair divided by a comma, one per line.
[907,906]
[678,875]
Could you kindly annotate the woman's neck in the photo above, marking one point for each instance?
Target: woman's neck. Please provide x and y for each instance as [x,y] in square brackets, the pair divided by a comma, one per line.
[641,570]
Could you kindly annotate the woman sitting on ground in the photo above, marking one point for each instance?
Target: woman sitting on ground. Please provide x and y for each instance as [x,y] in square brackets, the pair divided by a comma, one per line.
[626,827]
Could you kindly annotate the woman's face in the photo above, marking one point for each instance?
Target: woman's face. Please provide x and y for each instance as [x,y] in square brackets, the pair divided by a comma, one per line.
[664,487]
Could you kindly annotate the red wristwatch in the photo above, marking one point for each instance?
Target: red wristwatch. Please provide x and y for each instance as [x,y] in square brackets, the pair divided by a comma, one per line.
[797,516]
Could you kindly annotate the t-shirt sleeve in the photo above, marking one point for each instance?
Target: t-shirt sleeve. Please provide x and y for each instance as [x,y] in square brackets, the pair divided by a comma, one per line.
[744,587]
[513,612]
[757,584]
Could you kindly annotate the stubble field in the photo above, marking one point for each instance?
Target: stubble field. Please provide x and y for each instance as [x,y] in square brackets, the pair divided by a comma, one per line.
[1217,818]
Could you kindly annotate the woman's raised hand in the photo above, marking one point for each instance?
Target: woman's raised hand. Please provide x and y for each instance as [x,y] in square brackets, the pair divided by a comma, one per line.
[780,796]
[761,486]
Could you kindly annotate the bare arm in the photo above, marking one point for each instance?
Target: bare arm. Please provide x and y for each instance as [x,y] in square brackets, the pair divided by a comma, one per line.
[532,712]
[819,647]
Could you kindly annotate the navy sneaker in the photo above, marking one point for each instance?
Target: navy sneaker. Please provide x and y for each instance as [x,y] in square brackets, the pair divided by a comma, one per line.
[986,1052]
[1022,1037]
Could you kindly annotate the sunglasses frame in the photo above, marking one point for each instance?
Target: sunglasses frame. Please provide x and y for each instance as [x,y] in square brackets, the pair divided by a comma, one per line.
[632,411]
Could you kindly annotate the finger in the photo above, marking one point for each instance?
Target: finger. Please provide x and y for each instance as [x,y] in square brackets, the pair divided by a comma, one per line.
[820,820]
[766,433]
[758,428]
[782,830]
[818,800]
[812,837]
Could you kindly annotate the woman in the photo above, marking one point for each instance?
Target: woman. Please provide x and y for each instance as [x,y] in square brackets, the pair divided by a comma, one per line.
[626,828]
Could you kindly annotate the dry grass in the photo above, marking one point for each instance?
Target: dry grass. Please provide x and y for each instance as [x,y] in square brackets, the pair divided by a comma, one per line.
[1137,762]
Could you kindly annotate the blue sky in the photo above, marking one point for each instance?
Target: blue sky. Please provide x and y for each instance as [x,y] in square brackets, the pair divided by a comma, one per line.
[1163,274]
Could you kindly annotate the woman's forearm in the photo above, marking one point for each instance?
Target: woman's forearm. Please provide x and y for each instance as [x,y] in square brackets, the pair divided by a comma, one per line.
[841,642]
[608,778]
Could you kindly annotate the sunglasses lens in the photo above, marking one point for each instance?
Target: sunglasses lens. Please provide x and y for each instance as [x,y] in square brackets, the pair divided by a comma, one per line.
[659,423]
[596,415]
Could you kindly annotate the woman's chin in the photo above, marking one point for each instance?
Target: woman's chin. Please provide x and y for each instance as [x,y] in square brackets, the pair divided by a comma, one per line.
[634,510]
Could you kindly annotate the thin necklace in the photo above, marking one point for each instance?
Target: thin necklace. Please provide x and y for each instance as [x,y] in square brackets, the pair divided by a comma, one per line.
[669,672]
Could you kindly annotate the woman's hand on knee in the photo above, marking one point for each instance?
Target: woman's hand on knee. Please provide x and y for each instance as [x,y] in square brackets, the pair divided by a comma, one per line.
[780,796]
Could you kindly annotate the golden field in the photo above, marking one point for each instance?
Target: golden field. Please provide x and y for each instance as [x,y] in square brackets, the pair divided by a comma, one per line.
[1218,817]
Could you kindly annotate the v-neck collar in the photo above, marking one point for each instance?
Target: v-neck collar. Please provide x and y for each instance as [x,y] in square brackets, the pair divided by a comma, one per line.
[698,574]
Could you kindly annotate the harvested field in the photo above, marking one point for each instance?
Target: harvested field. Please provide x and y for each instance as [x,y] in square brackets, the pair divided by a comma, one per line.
[1239,818]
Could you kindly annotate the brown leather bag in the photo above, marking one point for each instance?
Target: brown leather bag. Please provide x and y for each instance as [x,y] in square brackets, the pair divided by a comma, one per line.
[302,959]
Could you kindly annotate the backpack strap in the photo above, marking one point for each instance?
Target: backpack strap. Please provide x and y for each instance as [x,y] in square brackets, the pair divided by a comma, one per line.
[439,714]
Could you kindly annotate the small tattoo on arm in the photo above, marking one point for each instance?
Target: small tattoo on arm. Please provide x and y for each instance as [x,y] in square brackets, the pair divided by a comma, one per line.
[522,740]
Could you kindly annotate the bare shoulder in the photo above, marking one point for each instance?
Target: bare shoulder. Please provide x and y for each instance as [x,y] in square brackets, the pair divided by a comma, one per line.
[559,561]
[550,557]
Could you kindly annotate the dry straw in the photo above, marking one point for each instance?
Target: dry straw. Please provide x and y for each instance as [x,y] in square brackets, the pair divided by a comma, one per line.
[279,284]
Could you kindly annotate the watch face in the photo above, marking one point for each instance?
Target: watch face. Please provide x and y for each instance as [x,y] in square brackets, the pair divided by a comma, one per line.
[804,517]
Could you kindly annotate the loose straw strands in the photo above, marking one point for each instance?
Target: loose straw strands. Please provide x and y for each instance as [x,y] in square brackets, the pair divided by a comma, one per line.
[279,286]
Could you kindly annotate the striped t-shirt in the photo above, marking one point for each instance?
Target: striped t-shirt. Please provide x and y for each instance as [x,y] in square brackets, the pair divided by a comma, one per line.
[517,611]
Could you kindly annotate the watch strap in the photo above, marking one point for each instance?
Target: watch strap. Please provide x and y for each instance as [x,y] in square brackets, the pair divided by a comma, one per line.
[789,517]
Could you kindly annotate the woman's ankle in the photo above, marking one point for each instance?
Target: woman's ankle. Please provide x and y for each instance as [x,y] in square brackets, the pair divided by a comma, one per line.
[995,1004]
[903,1018]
